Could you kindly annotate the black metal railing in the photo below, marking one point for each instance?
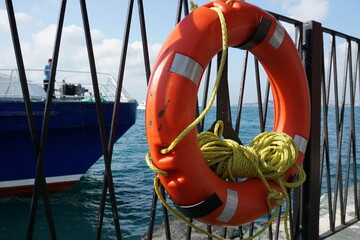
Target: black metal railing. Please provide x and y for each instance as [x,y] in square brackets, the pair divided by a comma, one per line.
[340,74]
[331,161]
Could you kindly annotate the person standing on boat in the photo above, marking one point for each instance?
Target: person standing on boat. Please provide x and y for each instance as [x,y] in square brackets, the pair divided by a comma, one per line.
[47,70]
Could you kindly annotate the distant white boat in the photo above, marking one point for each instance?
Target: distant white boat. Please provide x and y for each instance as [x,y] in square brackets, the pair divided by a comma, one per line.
[142,105]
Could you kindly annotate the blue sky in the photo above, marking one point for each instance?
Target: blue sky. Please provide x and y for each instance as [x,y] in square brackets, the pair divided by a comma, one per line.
[37,21]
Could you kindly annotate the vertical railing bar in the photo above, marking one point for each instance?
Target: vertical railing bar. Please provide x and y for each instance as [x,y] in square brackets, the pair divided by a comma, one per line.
[147,72]
[299,31]
[223,111]
[270,229]
[277,232]
[323,109]
[40,181]
[292,213]
[152,216]
[297,41]
[224,233]
[46,120]
[310,190]
[330,204]
[178,13]
[144,40]
[241,232]
[295,222]
[251,230]
[241,94]
[347,177]
[120,79]
[26,96]
[356,193]
[115,114]
[197,113]
[208,227]
[258,88]
[189,229]
[332,65]
[205,94]
[356,196]
[342,120]
[352,143]
[107,156]
[336,95]
[355,70]
[186,7]
[22,75]
[326,89]
[266,103]
[358,65]
[166,216]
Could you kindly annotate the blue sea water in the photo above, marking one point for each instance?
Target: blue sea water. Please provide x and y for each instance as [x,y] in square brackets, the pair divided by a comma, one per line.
[76,210]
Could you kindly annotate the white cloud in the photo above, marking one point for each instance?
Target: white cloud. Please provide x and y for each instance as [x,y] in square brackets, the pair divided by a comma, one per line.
[4,25]
[38,47]
[305,10]
[23,21]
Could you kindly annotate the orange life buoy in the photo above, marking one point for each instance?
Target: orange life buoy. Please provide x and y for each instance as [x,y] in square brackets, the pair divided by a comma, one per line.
[171,99]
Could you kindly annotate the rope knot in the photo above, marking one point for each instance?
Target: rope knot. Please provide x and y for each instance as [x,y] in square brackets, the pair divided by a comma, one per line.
[276,196]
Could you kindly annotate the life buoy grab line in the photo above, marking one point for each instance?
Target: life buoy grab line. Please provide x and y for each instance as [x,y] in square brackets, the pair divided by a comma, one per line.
[171,99]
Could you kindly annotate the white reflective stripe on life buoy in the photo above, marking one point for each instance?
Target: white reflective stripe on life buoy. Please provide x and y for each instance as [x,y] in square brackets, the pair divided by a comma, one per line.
[301,143]
[231,204]
[186,67]
[278,36]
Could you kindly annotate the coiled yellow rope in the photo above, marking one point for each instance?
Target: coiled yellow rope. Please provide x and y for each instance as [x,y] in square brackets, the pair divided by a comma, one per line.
[268,157]
[270,154]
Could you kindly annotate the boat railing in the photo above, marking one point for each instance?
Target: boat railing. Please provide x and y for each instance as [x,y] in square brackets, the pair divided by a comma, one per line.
[69,85]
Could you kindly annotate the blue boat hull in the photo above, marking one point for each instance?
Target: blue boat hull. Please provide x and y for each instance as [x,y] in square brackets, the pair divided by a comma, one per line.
[73,145]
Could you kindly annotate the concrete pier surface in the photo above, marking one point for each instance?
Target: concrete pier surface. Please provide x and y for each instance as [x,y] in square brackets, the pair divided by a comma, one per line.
[352,232]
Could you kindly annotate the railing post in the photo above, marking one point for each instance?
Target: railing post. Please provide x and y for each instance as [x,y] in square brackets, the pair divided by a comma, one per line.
[310,192]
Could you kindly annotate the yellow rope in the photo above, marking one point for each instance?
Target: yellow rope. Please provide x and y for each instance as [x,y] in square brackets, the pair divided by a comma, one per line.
[186,221]
[213,94]
[270,154]
[268,157]
[178,215]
